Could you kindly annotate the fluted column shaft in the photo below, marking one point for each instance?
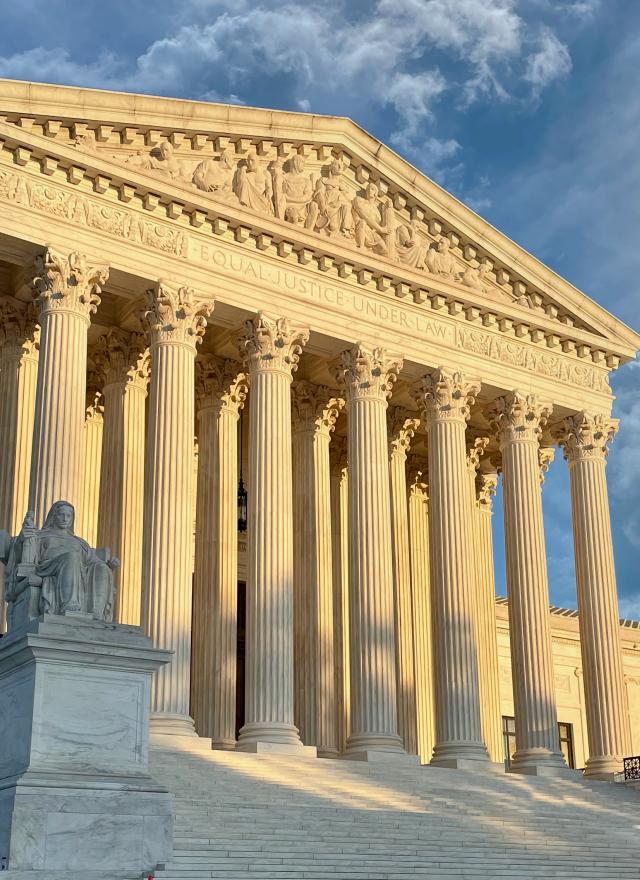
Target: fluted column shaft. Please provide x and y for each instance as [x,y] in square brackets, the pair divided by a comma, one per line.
[446,399]
[585,438]
[176,324]
[402,430]
[340,560]
[315,409]
[221,392]
[68,291]
[18,374]
[518,420]
[421,607]
[123,362]
[367,377]
[487,634]
[91,478]
[271,349]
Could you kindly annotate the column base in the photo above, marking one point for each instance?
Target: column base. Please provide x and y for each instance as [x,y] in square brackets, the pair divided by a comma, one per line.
[225,745]
[462,755]
[374,748]
[471,764]
[172,724]
[274,739]
[539,762]
[603,767]
[327,753]
[378,756]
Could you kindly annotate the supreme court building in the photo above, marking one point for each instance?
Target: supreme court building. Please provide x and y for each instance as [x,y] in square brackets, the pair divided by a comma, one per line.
[198,299]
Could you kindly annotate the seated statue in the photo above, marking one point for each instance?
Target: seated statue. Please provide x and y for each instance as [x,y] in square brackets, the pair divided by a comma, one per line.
[62,573]
[216,176]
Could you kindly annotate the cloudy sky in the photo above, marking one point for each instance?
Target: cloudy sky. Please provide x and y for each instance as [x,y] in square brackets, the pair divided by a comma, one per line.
[527,110]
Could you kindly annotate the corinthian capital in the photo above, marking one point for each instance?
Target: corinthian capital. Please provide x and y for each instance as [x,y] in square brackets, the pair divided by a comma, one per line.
[446,396]
[402,429]
[585,436]
[122,357]
[220,383]
[486,485]
[517,416]
[366,372]
[417,471]
[68,283]
[272,344]
[175,315]
[19,332]
[315,407]
[476,447]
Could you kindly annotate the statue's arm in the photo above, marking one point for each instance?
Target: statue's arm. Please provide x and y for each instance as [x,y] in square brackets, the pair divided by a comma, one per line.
[6,542]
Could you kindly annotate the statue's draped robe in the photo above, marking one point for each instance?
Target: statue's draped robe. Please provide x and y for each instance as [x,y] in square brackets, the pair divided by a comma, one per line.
[74,578]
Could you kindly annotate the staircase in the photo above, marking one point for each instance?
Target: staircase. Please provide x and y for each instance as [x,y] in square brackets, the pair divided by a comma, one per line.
[253,817]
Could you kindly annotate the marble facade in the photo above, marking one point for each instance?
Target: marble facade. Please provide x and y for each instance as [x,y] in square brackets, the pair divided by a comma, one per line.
[170,268]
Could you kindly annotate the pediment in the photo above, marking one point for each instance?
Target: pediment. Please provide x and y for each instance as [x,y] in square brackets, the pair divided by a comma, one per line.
[323,185]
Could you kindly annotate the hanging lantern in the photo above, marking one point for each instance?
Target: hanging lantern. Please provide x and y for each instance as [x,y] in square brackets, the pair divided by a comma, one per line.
[242,492]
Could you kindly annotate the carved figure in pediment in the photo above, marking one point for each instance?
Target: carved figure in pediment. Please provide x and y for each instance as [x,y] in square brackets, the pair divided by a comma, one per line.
[215,176]
[440,261]
[293,193]
[253,186]
[84,141]
[477,277]
[333,198]
[374,222]
[411,248]
[160,160]
[59,572]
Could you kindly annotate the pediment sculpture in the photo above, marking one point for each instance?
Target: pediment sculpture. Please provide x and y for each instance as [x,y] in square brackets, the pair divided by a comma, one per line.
[326,203]
[53,571]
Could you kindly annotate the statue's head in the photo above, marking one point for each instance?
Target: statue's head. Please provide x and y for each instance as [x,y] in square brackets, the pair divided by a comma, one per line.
[165,150]
[61,516]
[297,163]
[443,245]
[371,191]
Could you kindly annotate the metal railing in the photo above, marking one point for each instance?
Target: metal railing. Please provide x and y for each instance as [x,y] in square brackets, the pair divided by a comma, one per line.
[632,768]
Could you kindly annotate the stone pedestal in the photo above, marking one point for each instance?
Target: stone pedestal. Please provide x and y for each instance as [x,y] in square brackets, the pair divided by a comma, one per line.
[75,791]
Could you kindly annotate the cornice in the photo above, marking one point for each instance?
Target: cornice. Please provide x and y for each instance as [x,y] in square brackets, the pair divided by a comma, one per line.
[199,122]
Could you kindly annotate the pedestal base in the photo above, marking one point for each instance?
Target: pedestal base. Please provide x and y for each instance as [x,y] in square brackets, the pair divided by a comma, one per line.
[75,791]
[481,766]
[378,756]
[260,747]
[463,755]
[224,745]
[172,725]
[274,738]
[539,762]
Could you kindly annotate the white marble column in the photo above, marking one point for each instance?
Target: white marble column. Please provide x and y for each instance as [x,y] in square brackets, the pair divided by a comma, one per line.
[340,560]
[487,633]
[518,419]
[176,322]
[271,348]
[585,438]
[421,606]
[123,359]
[68,290]
[315,410]
[367,376]
[87,518]
[220,395]
[446,399]
[18,372]
[401,431]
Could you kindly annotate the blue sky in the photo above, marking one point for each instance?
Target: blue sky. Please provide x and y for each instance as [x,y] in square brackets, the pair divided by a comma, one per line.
[527,110]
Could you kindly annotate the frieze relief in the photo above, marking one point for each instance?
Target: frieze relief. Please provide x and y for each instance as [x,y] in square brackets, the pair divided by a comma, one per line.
[121,222]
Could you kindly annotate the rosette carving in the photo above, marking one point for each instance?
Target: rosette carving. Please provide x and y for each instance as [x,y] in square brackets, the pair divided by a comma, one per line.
[175,314]
[315,407]
[366,372]
[272,344]
[446,395]
[517,416]
[221,383]
[70,282]
[122,357]
[586,436]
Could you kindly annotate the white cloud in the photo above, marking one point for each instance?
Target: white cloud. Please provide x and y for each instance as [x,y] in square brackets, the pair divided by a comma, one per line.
[630,607]
[549,62]
[584,9]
